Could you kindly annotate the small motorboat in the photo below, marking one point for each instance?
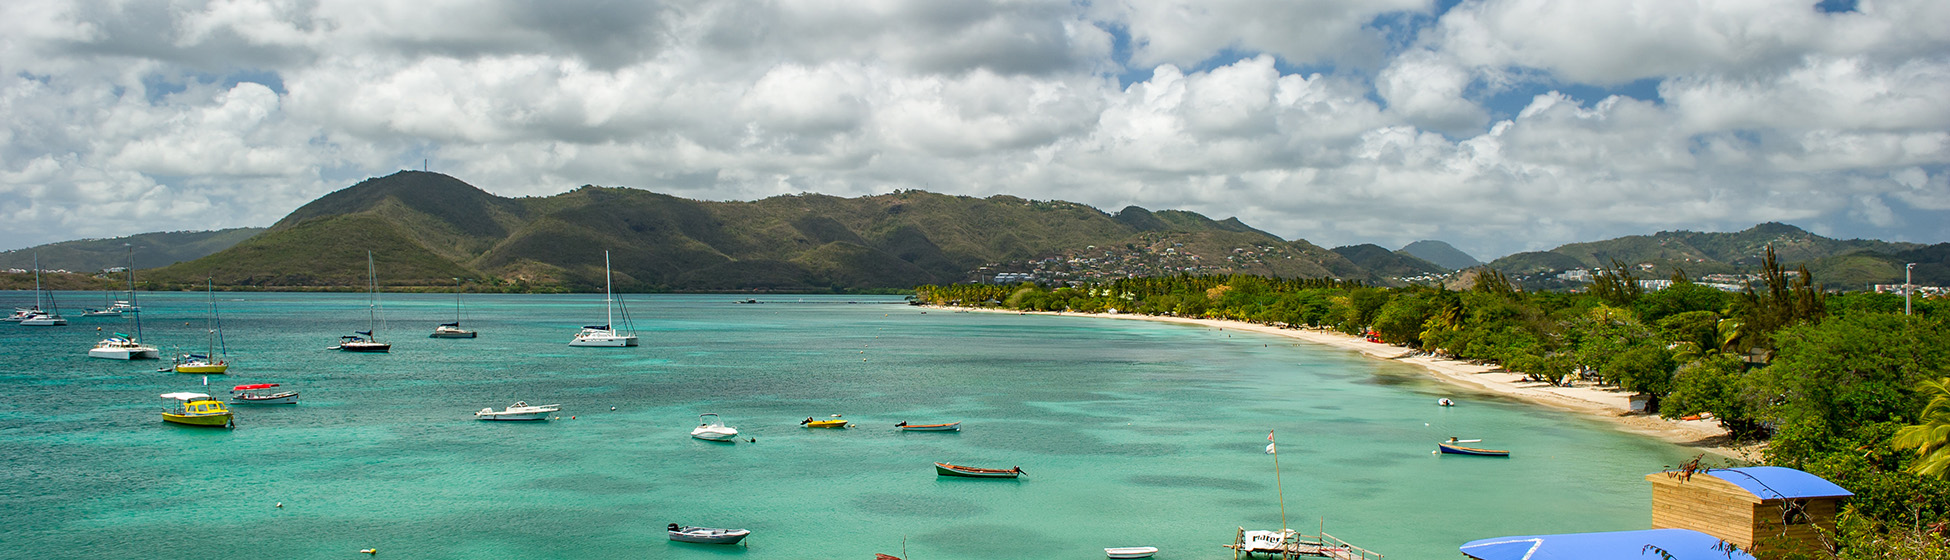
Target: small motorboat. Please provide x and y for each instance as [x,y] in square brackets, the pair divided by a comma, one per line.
[1445,402]
[710,428]
[833,422]
[707,535]
[195,409]
[945,469]
[521,410]
[949,427]
[262,393]
[1131,552]
[1453,449]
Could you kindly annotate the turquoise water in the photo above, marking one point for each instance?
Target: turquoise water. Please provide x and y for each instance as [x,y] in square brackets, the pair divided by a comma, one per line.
[1132,434]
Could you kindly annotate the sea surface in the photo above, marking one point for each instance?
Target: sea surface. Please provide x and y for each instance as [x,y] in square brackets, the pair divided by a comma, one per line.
[1132,434]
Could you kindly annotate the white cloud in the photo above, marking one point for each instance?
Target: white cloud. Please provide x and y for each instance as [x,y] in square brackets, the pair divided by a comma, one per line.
[122,118]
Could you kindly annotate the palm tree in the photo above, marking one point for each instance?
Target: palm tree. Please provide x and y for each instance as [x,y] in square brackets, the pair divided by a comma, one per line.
[1931,438]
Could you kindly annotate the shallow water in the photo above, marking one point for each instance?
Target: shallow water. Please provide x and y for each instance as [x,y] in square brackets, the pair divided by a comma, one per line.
[1132,434]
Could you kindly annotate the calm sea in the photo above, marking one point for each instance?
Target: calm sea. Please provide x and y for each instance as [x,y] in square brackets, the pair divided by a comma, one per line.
[1132,434]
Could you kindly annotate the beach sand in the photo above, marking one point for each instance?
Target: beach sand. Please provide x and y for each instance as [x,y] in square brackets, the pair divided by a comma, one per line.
[1608,404]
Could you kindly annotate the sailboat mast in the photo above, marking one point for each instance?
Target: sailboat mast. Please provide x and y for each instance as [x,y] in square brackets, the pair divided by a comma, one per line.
[456,301]
[210,324]
[372,297]
[132,303]
[37,279]
[609,309]
[1276,479]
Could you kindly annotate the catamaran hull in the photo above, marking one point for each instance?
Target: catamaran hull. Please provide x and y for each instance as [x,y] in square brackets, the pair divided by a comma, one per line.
[604,341]
[44,322]
[124,353]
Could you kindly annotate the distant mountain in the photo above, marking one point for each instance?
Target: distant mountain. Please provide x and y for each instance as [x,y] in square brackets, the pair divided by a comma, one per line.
[1700,253]
[1859,270]
[1442,254]
[425,229]
[151,250]
[1384,262]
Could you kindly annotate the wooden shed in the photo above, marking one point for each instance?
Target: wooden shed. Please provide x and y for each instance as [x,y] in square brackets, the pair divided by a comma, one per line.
[1755,508]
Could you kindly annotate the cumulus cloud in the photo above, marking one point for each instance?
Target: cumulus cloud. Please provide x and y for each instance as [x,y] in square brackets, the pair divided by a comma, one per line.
[1476,124]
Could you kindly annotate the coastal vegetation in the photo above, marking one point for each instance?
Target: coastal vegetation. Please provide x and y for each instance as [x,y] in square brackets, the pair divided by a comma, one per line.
[1842,385]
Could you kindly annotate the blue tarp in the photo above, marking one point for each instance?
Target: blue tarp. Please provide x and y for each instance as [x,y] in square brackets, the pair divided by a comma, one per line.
[1682,544]
[1774,483]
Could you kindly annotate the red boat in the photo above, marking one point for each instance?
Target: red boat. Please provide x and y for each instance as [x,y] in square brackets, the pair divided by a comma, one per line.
[256,394]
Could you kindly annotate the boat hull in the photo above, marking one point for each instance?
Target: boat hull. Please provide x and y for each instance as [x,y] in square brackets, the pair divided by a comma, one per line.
[825,424]
[1460,450]
[287,397]
[453,334]
[144,353]
[728,434]
[43,321]
[611,341]
[512,416]
[1131,552]
[367,347]
[206,420]
[945,469]
[702,535]
[951,427]
[202,368]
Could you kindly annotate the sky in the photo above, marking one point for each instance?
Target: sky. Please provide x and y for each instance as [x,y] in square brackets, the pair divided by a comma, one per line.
[1496,125]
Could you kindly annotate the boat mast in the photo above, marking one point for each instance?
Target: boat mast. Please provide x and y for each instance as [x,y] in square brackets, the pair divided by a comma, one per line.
[210,324]
[1276,478]
[132,303]
[372,298]
[457,302]
[609,309]
[37,280]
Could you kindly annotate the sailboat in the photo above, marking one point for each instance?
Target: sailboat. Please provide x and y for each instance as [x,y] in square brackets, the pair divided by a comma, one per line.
[121,346]
[215,360]
[603,335]
[49,316]
[453,330]
[365,341]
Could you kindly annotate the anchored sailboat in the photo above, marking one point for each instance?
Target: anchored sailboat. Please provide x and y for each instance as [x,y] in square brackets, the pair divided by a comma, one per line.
[215,361]
[366,341]
[453,330]
[604,335]
[49,316]
[121,346]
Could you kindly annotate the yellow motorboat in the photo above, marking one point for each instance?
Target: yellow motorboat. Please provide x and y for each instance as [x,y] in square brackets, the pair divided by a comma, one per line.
[195,409]
[834,422]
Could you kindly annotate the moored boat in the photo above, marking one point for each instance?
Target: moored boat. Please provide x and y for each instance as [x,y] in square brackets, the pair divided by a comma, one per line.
[1453,449]
[453,330]
[195,409]
[604,335]
[707,535]
[949,427]
[1131,552]
[258,394]
[122,347]
[945,469]
[365,341]
[49,317]
[833,422]
[712,428]
[521,410]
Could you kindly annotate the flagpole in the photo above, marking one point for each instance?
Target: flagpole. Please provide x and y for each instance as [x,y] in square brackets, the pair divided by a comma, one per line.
[1276,478]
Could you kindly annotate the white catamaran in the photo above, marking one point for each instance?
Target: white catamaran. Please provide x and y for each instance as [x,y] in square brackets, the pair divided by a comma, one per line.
[604,335]
[122,346]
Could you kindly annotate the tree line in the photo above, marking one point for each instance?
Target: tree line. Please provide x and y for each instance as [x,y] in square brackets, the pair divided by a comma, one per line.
[1842,385]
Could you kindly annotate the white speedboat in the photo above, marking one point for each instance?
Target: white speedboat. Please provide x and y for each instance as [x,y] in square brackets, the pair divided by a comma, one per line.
[710,427]
[604,335]
[521,410]
[707,535]
[120,347]
[262,393]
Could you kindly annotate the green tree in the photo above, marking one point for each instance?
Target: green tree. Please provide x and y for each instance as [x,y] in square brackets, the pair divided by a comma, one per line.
[1644,369]
[1717,384]
[1930,437]
[1616,284]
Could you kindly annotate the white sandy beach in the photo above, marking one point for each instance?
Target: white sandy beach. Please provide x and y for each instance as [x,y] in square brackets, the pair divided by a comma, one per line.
[1609,405]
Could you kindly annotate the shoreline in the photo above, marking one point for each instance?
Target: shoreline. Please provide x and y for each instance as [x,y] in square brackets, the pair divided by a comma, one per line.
[1609,405]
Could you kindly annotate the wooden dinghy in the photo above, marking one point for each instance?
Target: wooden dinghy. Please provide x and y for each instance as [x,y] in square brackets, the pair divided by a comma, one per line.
[949,427]
[945,469]
[1450,449]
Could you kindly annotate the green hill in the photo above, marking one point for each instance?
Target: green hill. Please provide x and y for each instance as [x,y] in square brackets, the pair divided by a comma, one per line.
[1700,253]
[425,229]
[151,250]
[1384,262]
[1442,254]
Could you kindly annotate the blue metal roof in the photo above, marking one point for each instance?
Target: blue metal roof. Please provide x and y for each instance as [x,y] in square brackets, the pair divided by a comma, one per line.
[1774,483]
[1682,544]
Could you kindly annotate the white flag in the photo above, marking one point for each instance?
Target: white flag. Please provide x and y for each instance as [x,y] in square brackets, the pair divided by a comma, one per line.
[1269,449]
